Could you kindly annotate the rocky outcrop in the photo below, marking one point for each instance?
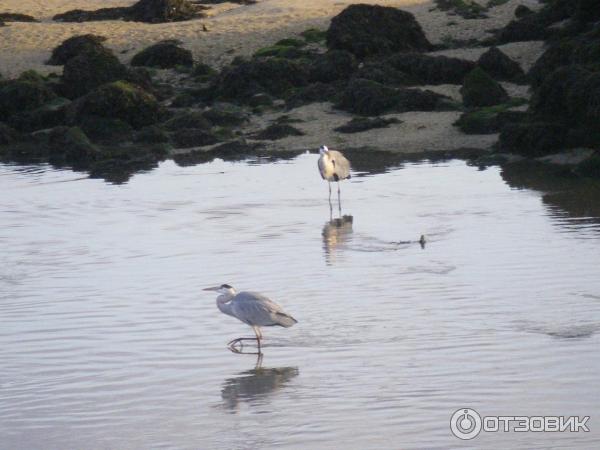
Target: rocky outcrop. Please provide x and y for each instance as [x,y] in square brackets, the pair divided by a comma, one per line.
[163,55]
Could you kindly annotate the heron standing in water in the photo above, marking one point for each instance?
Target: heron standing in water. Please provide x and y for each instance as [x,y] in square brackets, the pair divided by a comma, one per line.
[251,308]
[333,166]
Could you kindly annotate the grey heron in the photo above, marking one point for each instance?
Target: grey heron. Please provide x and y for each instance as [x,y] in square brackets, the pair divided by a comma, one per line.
[333,166]
[251,308]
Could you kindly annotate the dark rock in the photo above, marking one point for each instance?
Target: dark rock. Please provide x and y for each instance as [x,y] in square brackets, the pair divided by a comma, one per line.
[21,95]
[522,11]
[281,51]
[225,114]
[479,89]
[260,99]
[90,69]
[105,130]
[190,137]
[332,66]
[150,11]
[160,11]
[528,28]
[314,92]
[360,124]
[80,15]
[489,120]
[274,76]
[432,69]
[150,135]
[500,66]
[277,131]
[119,163]
[70,145]
[164,55]
[16,17]
[203,72]
[49,115]
[367,30]
[583,49]
[313,35]
[189,119]
[587,11]
[590,167]
[466,9]
[532,139]
[74,46]
[369,98]
[119,100]
[382,71]
[8,135]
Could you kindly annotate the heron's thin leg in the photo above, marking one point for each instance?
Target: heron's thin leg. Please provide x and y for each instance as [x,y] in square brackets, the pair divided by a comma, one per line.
[258,336]
[329,184]
[339,200]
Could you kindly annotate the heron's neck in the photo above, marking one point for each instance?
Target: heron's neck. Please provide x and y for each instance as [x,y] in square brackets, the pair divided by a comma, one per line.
[223,303]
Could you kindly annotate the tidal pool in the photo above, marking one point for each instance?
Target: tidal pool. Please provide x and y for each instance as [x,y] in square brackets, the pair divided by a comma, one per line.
[108,341]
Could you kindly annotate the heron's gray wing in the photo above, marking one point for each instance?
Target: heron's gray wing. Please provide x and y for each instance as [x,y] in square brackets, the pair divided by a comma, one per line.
[342,165]
[256,309]
[321,165]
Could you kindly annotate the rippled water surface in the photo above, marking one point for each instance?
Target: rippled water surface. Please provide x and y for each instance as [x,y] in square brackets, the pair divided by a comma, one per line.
[107,340]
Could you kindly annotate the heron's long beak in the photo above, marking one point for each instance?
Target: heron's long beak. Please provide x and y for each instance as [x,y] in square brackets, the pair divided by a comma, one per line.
[215,288]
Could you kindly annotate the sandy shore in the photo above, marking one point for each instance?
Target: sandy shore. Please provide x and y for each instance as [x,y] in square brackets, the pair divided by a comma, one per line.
[240,30]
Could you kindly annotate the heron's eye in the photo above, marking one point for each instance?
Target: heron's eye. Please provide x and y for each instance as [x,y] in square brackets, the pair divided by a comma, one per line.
[226,286]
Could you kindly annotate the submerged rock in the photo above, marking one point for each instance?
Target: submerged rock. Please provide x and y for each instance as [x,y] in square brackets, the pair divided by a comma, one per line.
[90,69]
[479,89]
[532,139]
[366,30]
[74,46]
[164,55]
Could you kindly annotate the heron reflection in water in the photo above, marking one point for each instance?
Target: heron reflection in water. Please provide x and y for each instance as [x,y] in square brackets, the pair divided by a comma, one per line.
[336,234]
[252,385]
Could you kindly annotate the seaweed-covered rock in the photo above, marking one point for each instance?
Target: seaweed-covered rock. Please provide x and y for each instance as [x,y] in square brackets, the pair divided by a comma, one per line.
[583,49]
[70,145]
[50,114]
[119,100]
[552,98]
[188,119]
[369,98]
[164,55]
[191,137]
[8,135]
[150,11]
[489,119]
[150,135]
[367,30]
[528,28]
[532,139]
[105,130]
[160,11]
[589,167]
[479,89]
[332,66]
[432,69]
[225,114]
[16,17]
[273,75]
[314,92]
[73,46]
[360,124]
[21,95]
[522,11]
[277,131]
[500,66]
[90,69]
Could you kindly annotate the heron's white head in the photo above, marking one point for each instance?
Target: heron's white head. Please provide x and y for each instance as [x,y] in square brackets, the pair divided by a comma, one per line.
[323,149]
[222,289]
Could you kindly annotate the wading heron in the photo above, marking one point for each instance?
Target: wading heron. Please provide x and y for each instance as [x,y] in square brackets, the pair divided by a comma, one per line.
[333,166]
[251,308]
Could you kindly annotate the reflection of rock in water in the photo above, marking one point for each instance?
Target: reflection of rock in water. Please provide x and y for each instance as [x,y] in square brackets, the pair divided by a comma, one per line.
[574,331]
[574,196]
[336,233]
[255,384]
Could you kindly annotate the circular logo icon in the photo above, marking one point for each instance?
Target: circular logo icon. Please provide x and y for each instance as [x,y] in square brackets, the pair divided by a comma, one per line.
[465,423]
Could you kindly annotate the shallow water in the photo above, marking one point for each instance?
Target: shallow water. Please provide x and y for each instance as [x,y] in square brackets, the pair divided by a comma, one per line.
[107,340]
